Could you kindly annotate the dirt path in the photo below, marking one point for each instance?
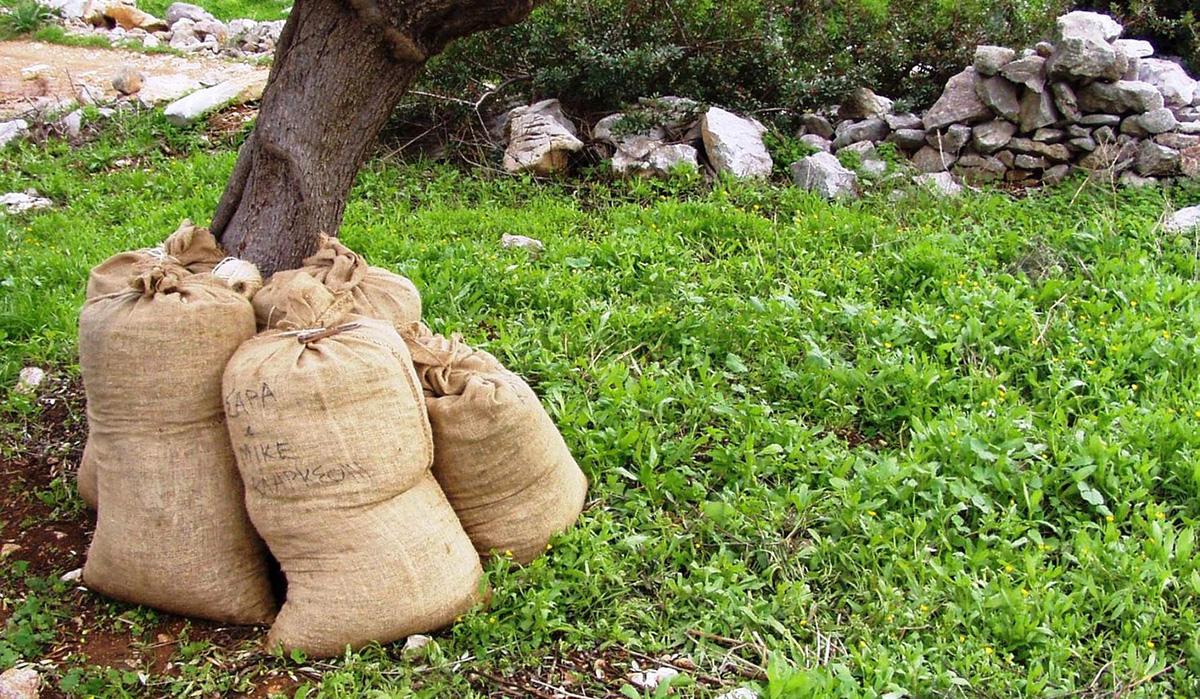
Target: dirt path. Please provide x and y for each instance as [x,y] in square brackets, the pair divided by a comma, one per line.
[33,74]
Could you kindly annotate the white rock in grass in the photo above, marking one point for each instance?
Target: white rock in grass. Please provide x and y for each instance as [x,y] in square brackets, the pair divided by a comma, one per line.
[188,110]
[540,139]
[823,174]
[941,183]
[30,378]
[20,202]
[734,144]
[1183,220]
[416,642]
[157,89]
[20,683]
[740,693]
[12,130]
[533,245]
[650,679]
[72,576]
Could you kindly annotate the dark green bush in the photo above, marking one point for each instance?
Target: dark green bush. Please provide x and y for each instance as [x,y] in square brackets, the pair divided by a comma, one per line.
[597,55]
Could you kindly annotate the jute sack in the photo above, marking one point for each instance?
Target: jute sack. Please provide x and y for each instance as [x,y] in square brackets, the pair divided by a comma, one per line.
[376,292]
[172,530]
[193,248]
[334,447]
[497,455]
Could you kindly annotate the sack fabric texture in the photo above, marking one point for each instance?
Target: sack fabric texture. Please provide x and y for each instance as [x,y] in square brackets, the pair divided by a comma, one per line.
[376,292]
[193,248]
[497,454]
[172,530]
[334,447]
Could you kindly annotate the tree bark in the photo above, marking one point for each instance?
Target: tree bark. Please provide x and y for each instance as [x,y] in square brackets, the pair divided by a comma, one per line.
[340,68]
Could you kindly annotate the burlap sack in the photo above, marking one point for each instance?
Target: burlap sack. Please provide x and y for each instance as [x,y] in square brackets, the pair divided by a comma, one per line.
[376,292]
[497,455]
[172,531]
[334,447]
[192,247]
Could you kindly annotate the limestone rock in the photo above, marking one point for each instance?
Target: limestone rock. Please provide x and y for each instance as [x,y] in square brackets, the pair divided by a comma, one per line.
[20,683]
[541,139]
[128,80]
[1177,88]
[1025,161]
[1133,180]
[959,103]
[870,163]
[1100,120]
[1183,220]
[157,89]
[951,140]
[1047,135]
[734,144]
[20,202]
[823,174]
[991,136]
[1087,57]
[862,103]
[990,59]
[1154,160]
[1056,174]
[1135,48]
[68,9]
[1066,101]
[1086,144]
[1088,24]
[1189,161]
[1000,95]
[896,122]
[12,130]
[874,129]
[188,110]
[1029,71]
[1037,110]
[182,10]
[130,17]
[523,242]
[29,379]
[1054,151]
[1158,121]
[907,139]
[977,169]
[1111,157]
[1121,97]
[941,183]
[815,141]
[648,157]
[1177,140]
[930,159]
[817,124]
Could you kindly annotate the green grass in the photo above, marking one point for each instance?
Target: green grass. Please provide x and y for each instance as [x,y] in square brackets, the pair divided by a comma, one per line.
[954,443]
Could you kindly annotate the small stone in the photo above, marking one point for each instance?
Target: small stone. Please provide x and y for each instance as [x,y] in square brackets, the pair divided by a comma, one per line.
[151,41]
[977,169]
[1105,134]
[735,144]
[20,202]
[959,103]
[990,59]
[1045,49]
[1154,160]
[183,10]
[1086,145]
[1177,88]
[70,125]
[1121,97]
[1066,101]
[157,89]
[1132,126]
[1183,220]
[20,683]
[814,141]
[650,679]
[509,240]
[740,693]
[951,140]
[1037,110]
[1189,161]
[930,159]
[29,379]
[418,641]
[73,576]
[869,161]
[12,130]
[1078,58]
[907,139]
[1007,157]
[1109,157]
[1177,140]
[1158,121]
[1025,161]
[1135,181]
[7,550]
[1057,152]
[991,136]
[873,129]
[190,109]
[1056,174]
[817,124]
[1100,120]
[128,80]
[1001,96]
[1029,71]
[823,174]
[1077,131]
[941,183]
[862,103]
[1047,135]
[896,122]
[1135,48]
[1088,24]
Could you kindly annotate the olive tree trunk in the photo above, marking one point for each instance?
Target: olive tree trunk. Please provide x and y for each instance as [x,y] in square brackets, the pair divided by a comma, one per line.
[340,68]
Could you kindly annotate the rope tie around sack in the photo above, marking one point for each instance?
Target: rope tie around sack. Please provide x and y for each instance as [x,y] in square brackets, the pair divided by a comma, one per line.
[157,276]
[241,276]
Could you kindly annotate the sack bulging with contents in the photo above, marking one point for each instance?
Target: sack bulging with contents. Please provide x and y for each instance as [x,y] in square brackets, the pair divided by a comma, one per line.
[328,422]
[376,292]
[497,455]
[172,530]
[192,248]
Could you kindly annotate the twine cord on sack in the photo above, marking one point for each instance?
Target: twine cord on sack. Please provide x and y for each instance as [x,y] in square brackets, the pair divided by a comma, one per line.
[308,335]
[241,276]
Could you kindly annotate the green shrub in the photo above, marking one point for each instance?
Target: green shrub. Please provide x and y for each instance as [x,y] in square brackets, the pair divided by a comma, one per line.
[23,17]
